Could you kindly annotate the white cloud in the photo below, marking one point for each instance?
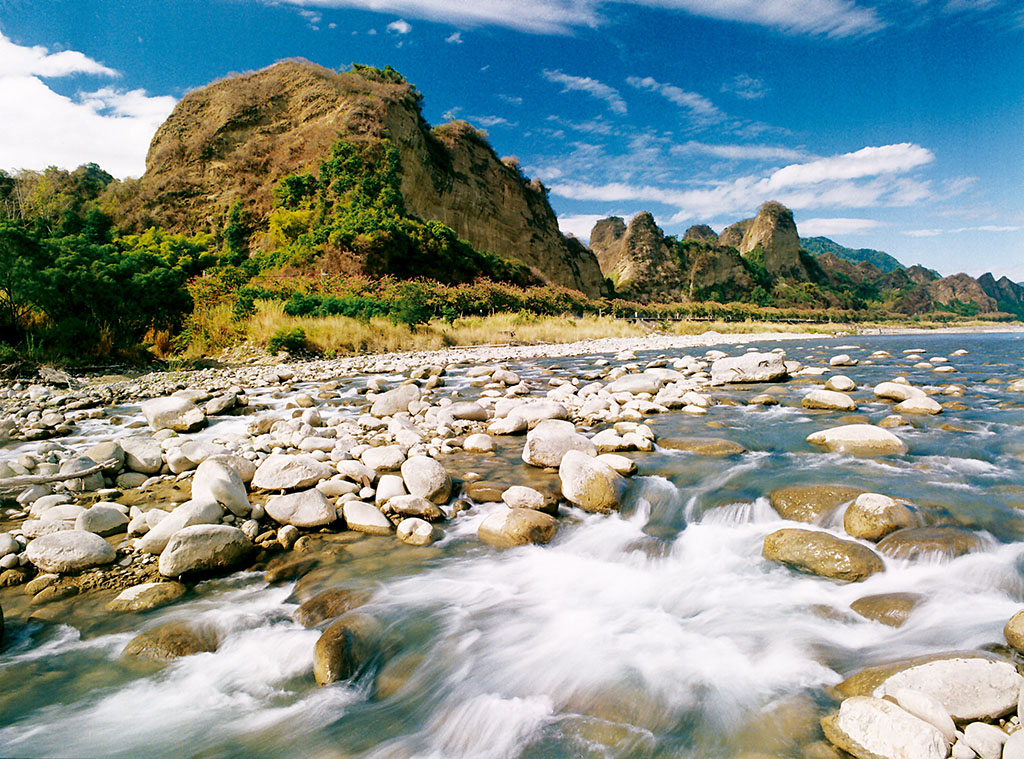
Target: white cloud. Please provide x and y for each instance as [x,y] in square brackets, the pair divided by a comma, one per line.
[590,86]
[838,226]
[41,127]
[959,230]
[866,178]
[579,225]
[313,19]
[511,99]
[455,38]
[399,26]
[701,109]
[831,18]
[492,121]
[742,152]
[746,87]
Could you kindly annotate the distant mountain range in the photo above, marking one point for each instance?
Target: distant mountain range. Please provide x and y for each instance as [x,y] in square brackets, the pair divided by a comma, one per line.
[877,258]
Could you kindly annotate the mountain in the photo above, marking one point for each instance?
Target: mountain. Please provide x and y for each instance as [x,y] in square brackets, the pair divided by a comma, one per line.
[1008,295]
[232,142]
[881,260]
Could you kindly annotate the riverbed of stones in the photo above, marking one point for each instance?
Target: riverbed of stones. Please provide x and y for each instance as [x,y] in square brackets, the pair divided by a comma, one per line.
[170,507]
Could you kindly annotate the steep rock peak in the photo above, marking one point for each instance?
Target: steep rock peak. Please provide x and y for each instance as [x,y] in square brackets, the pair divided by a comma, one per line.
[702,232]
[774,231]
[607,232]
[733,234]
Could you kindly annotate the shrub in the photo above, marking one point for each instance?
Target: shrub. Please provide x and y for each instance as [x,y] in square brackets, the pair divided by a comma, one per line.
[292,340]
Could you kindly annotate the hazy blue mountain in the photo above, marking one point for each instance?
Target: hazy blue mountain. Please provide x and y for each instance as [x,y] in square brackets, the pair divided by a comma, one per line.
[878,258]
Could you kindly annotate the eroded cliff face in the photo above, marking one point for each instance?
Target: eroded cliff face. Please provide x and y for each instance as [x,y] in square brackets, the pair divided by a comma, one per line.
[774,232]
[233,140]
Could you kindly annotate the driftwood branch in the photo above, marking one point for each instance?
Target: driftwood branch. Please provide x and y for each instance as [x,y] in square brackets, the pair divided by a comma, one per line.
[13,485]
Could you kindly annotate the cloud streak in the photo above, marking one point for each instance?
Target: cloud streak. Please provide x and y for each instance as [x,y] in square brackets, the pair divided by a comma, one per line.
[592,87]
[701,110]
[828,18]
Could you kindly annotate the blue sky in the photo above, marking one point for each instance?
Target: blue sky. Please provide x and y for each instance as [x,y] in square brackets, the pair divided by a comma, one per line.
[892,124]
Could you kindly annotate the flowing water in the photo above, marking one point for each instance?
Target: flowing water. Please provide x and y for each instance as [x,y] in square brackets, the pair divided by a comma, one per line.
[659,631]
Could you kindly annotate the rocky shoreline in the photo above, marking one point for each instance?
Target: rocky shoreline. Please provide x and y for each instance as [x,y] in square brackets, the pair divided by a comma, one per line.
[138,510]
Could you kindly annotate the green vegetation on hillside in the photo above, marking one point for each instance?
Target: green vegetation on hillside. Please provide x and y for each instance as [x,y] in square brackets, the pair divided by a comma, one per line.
[877,258]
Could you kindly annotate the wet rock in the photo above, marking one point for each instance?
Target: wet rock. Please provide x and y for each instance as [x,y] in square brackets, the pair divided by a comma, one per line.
[150,595]
[894,420]
[590,484]
[763,399]
[329,604]
[394,401]
[103,519]
[897,391]
[522,497]
[840,383]
[427,478]
[870,728]
[186,515]
[822,554]
[922,405]
[829,400]
[750,367]
[284,472]
[287,536]
[926,708]
[69,551]
[173,413]
[216,482]
[287,568]
[1014,631]
[484,491]
[550,440]
[306,508]
[944,541]
[858,440]
[478,443]
[204,548]
[971,686]
[345,648]
[702,446]
[142,454]
[891,609]
[516,527]
[364,517]
[872,516]
[416,532]
[172,640]
[414,506]
[809,503]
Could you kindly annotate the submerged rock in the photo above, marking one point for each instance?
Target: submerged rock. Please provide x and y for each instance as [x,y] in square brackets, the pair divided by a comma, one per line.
[822,554]
[946,541]
[809,503]
[345,648]
[858,440]
[706,446]
[150,595]
[328,605]
[172,640]
[517,527]
[888,608]
[872,516]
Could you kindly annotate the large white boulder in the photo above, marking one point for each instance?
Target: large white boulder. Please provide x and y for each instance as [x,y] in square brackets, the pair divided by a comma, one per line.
[918,405]
[870,728]
[550,440]
[187,514]
[394,401]
[897,391]
[69,551]
[427,478]
[103,519]
[280,471]
[217,482]
[307,508]
[590,484]
[750,367]
[142,454]
[173,413]
[204,548]
[859,440]
[831,400]
[364,517]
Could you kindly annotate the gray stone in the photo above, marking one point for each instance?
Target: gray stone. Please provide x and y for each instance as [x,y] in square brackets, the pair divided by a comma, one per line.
[416,532]
[858,440]
[550,440]
[186,515]
[142,454]
[384,458]
[427,478]
[750,367]
[307,508]
[283,472]
[204,548]
[985,740]
[830,400]
[102,519]
[69,551]
[217,482]
[364,517]
[468,411]
[394,401]
[870,728]
[173,413]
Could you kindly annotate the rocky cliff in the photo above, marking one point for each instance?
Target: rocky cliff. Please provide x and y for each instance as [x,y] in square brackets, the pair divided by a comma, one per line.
[640,262]
[773,231]
[233,140]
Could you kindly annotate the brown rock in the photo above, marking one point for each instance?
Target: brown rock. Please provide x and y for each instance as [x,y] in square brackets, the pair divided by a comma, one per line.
[916,542]
[888,608]
[702,446]
[286,568]
[822,554]
[809,503]
[328,605]
[170,641]
[1014,631]
[345,648]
